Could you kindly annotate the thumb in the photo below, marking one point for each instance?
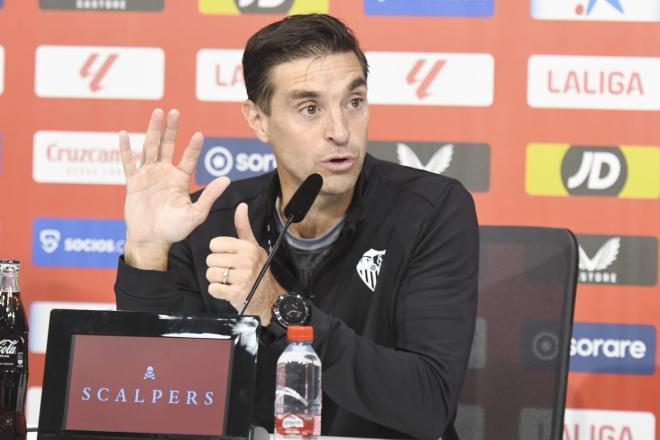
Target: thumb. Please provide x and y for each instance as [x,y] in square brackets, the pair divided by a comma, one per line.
[209,195]
[242,223]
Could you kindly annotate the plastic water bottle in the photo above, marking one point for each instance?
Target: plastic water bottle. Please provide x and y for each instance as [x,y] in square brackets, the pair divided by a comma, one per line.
[298,388]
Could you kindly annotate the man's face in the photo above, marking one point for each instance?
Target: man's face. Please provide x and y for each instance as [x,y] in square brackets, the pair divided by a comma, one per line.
[318,121]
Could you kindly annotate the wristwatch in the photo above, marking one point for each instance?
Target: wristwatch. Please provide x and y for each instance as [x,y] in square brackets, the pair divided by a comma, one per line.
[291,309]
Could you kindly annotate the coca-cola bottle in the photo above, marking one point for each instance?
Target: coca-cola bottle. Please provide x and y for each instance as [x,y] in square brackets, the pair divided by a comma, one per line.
[13,354]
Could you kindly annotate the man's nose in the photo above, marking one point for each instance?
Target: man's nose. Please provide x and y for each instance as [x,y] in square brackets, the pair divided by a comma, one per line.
[336,129]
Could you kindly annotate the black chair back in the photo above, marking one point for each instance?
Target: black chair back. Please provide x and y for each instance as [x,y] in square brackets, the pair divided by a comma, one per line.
[515,386]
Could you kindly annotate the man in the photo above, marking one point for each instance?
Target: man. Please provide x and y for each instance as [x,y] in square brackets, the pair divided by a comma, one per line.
[384,265]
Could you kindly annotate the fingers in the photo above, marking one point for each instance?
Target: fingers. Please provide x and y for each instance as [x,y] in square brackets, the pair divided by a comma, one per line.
[242,223]
[152,138]
[191,153]
[208,196]
[235,260]
[127,159]
[169,138]
[230,245]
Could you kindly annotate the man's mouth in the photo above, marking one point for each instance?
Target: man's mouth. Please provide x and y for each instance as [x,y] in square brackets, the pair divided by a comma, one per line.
[338,163]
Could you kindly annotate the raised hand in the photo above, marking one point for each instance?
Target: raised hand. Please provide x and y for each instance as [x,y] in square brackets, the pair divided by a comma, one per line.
[234,264]
[158,210]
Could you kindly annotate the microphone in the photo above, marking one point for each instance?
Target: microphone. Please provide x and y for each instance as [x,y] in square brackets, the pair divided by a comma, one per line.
[295,211]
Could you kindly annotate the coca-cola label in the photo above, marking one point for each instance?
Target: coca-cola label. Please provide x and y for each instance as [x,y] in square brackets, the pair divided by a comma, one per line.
[11,353]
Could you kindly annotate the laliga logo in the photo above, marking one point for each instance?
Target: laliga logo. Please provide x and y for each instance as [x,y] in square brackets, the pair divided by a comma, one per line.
[426,80]
[438,163]
[99,74]
[219,161]
[50,240]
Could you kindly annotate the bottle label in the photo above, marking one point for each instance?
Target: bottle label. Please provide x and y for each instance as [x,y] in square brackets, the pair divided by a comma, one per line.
[11,353]
[293,424]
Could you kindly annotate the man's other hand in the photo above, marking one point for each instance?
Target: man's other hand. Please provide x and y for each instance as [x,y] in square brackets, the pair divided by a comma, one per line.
[234,264]
[158,210]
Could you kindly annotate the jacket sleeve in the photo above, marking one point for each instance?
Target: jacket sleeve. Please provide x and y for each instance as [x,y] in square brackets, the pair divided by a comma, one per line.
[414,386]
[175,290]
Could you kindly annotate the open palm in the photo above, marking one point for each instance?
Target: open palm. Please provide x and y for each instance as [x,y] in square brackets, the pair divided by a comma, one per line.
[158,209]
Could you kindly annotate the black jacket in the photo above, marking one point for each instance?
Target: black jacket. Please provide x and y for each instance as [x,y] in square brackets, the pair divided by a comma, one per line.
[393,358]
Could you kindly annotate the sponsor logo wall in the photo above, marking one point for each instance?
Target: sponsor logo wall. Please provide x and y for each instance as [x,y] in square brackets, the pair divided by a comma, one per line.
[545,110]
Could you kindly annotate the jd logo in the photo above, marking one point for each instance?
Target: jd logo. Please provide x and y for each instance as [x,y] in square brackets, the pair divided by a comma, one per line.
[594,171]
[261,6]
[438,163]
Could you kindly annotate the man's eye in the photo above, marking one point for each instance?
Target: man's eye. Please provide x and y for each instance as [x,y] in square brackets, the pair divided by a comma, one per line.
[310,110]
[356,102]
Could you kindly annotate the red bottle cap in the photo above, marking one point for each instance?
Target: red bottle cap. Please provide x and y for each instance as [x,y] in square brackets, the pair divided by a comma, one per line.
[300,333]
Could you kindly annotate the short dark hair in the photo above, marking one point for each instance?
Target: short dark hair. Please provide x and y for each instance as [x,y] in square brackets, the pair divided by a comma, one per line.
[294,37]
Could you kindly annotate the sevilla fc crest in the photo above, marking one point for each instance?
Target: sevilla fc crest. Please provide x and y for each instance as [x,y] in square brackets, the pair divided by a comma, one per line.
[369,267]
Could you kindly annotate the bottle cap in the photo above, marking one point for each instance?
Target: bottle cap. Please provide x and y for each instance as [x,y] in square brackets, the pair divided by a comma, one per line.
[300,333]
[15,265]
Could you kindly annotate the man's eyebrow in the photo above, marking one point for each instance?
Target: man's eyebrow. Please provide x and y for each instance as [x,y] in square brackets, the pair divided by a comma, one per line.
[357,83]
[303,94]
[310,94]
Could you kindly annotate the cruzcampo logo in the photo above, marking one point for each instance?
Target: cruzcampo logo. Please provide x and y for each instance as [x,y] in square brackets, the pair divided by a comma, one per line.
[629,172]
[236,7]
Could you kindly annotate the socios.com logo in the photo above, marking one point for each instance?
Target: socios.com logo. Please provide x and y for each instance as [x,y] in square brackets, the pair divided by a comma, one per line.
[237,158]
[565,170]
[234,7]
[437,8]
[613,348]
[77,243]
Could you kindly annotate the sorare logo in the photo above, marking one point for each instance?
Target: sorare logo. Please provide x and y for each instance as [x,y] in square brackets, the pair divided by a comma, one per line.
[237,158]
[596,10]
[434,8]
[626,171]
[103,5]
[466,162]
[88,243]
[236,7]
[613,348]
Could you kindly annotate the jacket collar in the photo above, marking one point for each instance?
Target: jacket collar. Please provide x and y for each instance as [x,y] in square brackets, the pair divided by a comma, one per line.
[261,211]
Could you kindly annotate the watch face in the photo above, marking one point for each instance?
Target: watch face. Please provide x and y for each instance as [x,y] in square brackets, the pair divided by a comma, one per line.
[293,310]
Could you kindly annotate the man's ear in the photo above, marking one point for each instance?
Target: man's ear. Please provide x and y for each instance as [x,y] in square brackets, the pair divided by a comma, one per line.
[256,119]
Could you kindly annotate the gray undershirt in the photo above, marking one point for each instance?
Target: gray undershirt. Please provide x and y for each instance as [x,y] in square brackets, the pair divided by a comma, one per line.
[307,253]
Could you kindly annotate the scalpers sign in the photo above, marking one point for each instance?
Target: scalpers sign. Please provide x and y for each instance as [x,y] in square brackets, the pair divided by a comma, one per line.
[153,396]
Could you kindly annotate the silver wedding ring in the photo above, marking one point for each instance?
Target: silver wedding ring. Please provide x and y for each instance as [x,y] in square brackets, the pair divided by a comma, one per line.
[225,276]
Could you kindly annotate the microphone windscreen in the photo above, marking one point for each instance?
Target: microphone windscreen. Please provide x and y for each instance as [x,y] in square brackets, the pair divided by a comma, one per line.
[303,198]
